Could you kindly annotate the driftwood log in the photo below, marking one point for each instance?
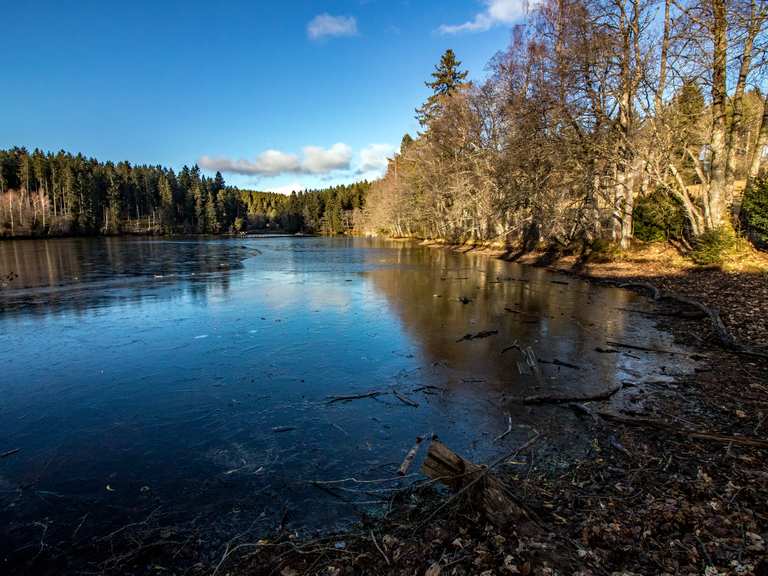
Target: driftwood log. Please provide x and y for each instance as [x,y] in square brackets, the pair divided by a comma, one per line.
[484,489]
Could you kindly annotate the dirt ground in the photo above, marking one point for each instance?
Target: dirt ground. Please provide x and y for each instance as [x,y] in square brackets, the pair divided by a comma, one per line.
[675,485]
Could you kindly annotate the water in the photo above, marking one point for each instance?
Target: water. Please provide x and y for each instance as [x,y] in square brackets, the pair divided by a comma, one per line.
[184,384]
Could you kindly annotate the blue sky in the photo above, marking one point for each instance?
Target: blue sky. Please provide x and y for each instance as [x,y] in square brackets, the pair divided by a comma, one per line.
[279,95]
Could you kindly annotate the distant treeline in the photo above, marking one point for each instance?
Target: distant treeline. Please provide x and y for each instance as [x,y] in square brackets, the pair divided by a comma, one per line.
[46,194]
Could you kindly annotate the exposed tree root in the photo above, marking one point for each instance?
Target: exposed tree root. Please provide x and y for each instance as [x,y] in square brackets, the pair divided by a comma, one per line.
[676,429]
[724,336]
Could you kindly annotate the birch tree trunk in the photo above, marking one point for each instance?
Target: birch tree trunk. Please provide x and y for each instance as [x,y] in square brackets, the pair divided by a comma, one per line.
[715,192]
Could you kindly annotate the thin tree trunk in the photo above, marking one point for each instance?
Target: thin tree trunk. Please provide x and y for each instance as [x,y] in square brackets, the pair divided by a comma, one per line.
[762,142]
[755,23]
[717,189]
[695,219]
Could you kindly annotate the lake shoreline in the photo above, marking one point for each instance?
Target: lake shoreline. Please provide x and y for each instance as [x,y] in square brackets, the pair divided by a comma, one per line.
[736,290]
[666,476]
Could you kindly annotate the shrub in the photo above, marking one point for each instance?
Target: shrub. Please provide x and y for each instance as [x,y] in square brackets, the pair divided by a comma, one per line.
[602,251]
[658,217]
[716,246]
[754,211]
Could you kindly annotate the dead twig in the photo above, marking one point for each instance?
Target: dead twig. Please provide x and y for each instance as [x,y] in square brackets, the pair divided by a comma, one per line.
[507,431]
[356,481]
[348,397]
[513,346]
[404,400]
[375,543]
[479,335]
[554,399]
[557,362]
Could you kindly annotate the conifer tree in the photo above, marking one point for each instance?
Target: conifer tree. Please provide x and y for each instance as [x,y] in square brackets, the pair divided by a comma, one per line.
[448,78]
[166,203]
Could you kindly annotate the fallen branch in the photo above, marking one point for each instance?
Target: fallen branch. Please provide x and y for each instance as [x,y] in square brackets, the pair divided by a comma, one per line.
[533,364]
[557,362]
[427,388]
[725,337]
[514,346]
[483,334]
[582,409]
[404,400]
[644,349]
[547,399]
[347,398]
[679,314]
[507,431]
[356,481]
[655,292]
[606,350]
[410,457]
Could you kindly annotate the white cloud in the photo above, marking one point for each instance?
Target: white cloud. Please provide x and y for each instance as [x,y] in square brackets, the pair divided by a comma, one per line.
[496,12]
[324,25]
[286,189]
[319,161]
[374,158]
[315,160]
[268,163]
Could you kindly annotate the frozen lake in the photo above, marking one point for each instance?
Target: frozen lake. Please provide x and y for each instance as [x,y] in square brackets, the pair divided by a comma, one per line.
[184,384]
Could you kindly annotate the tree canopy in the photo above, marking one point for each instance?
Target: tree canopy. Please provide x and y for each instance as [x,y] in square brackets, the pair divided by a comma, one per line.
[595,108]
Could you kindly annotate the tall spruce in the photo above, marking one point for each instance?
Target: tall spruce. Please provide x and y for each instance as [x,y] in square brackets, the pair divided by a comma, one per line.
[447,79]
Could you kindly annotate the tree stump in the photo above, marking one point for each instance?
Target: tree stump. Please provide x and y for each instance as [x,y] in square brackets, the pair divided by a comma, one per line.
[482,488]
